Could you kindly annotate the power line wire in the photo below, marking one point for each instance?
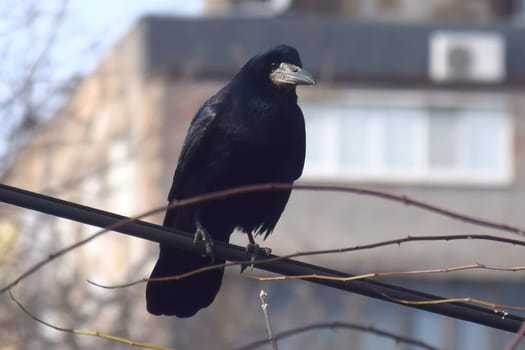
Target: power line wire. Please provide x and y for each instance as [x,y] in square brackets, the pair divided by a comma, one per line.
[387,292]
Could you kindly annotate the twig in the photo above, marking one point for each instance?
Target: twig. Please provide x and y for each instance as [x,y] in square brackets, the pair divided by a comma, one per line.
[343,325]
[517,338]
[264,306]
[177,238]
[335,251]
[244,189]
[492,305]
[42,55]
[393,273]
[409,273]
[349,189]
[83,332]
[352,278]
[73,246]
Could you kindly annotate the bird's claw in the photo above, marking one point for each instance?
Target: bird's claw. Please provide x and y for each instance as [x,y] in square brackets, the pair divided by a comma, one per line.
[203,236]
[253,251]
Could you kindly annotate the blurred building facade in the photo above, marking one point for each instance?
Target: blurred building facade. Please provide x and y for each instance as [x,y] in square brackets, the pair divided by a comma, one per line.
[432,109]
[375,10]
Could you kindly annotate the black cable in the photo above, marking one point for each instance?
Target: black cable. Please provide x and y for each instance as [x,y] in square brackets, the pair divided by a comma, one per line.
[151,232]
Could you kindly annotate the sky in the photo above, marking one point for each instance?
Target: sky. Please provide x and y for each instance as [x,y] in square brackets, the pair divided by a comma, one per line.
[85,34]
[103,22]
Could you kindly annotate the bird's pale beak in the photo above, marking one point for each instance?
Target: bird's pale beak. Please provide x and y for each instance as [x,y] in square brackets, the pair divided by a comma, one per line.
[288,73]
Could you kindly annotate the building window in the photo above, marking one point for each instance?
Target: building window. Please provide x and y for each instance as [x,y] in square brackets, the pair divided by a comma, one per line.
[404,143]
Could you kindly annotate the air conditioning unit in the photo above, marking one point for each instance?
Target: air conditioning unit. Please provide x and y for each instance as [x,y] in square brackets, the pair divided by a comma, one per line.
[477,57]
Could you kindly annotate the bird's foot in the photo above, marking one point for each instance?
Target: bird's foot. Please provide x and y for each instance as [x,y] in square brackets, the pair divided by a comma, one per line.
[201,235]
[253,251]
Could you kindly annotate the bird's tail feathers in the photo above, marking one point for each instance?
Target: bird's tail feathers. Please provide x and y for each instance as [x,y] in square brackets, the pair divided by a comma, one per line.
[186,296]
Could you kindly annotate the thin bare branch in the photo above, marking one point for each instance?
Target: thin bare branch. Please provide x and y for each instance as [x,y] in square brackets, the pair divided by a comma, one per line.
[84,332]
[268,187]
[411,273]
[349,189]
[490,304]
[517,338]
[263,296]
[27,81]
[340,325]
[392,273]
[333,251]
[73,246]
[371,288]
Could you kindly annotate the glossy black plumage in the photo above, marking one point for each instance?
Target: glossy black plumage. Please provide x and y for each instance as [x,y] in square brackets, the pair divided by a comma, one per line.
[252,131]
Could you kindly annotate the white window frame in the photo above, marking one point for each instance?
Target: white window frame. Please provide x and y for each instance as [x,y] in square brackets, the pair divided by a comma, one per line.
[422,173]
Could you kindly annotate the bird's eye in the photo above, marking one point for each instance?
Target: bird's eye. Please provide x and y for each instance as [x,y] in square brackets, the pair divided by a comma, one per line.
[275,65]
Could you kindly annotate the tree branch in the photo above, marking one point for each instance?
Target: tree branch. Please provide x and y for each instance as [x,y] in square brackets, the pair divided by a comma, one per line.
[84,332]
[225,251]
[517,338]
[340,325]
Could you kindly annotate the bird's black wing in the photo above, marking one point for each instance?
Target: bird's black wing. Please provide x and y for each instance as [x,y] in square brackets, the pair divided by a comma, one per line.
[193,162]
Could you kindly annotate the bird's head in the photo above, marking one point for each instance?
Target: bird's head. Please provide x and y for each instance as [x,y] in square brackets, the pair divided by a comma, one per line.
[279,67]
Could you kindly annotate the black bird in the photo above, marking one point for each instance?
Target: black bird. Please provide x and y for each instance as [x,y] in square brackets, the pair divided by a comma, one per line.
[250,132]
